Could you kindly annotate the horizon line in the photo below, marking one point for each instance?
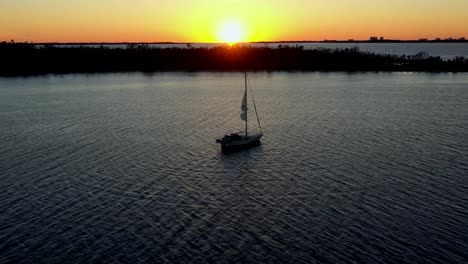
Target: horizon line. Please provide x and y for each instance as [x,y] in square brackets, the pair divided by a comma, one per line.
[422,40]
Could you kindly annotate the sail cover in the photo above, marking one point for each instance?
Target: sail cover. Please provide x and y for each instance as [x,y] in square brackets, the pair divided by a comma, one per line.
[243,115]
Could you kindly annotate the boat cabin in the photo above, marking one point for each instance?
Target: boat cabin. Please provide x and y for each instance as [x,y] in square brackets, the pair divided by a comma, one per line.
[229,138]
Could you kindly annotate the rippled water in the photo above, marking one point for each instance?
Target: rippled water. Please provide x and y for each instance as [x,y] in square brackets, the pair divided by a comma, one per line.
[353,168]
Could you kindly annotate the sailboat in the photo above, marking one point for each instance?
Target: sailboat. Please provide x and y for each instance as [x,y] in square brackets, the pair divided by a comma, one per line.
[242,139]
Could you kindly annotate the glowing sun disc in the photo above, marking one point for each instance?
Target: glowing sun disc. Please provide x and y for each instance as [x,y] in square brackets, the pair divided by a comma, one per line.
[231,32]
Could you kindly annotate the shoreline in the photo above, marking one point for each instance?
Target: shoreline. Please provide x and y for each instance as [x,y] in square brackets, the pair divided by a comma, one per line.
[24,59]
[220,71]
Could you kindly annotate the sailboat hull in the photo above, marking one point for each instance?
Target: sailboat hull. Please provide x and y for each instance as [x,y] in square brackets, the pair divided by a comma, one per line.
[243,141]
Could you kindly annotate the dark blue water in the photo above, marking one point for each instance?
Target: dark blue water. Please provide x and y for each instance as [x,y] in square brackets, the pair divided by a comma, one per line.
[123,168]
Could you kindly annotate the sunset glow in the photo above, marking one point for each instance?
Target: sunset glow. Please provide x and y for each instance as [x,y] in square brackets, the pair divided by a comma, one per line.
[231,32]
[229,20]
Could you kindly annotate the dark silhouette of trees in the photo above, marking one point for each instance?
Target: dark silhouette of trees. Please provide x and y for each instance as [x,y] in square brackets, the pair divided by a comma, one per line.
[31,59]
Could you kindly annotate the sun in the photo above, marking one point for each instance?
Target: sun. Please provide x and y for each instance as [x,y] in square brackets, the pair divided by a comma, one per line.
[231,32]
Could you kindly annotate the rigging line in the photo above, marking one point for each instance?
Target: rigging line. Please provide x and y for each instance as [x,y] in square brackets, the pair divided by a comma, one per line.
[245,97]
[255,107]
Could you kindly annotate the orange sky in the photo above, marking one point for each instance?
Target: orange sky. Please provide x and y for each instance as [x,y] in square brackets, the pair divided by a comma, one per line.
[201,20]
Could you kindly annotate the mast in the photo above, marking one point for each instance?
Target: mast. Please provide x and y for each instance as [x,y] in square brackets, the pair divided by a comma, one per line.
[245,96]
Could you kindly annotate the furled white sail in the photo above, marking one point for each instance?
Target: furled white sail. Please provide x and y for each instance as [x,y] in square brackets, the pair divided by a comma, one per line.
[243,115]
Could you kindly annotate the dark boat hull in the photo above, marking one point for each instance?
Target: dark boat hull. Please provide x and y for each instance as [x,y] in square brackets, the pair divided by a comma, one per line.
[243,142]
[243,146]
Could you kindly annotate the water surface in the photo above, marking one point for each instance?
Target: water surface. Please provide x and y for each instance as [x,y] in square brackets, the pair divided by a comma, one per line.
[353,168]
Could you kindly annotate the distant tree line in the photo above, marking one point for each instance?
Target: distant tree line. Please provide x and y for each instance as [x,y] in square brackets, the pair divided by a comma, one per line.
[30,59]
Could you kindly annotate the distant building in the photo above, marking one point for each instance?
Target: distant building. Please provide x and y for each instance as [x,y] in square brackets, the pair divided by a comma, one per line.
[437,39]
[381,38]
[374,39]
[350,40]
[462,39]
[423,39]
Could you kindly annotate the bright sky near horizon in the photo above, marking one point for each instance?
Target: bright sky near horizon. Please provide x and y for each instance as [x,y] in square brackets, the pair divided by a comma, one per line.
[229,20]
